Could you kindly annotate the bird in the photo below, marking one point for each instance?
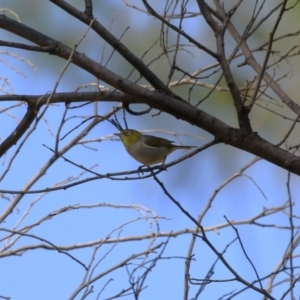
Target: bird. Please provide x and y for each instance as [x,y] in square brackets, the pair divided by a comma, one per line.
[147,149]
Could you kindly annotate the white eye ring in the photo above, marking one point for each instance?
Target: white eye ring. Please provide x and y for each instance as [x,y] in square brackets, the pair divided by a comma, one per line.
[127,132]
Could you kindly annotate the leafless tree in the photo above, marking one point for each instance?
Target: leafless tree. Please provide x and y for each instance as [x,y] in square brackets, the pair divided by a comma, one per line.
[228,70]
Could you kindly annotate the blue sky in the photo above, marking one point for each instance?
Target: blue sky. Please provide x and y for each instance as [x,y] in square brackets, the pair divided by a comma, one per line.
[110,209]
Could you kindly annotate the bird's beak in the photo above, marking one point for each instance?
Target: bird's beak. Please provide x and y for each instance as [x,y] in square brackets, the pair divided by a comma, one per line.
[117,134]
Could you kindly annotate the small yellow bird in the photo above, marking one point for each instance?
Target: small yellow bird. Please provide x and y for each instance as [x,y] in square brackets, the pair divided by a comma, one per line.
[147,149]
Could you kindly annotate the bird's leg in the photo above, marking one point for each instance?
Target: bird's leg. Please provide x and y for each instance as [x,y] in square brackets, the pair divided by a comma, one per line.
[163,166]
[140,169]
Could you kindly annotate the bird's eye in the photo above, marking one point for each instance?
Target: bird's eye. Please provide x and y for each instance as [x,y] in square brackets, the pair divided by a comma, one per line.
[127,132]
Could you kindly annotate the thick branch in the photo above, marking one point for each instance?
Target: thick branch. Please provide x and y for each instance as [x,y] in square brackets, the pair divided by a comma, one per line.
[250,59]
[116,44]
[21,128]
[182,110]
[241,110]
